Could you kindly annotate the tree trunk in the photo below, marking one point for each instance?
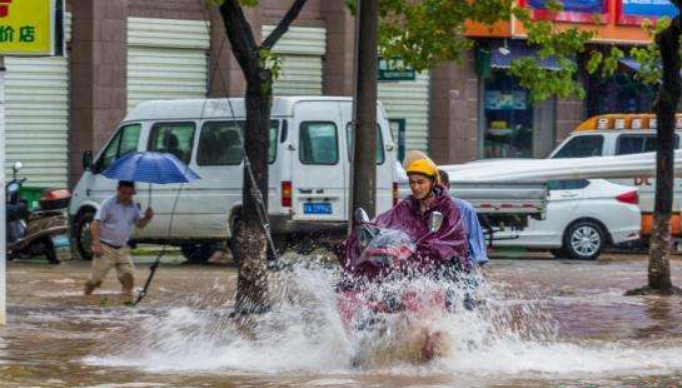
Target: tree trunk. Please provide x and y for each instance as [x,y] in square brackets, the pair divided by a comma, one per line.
[668,97]
[365,110]
[252,243]
[252,240]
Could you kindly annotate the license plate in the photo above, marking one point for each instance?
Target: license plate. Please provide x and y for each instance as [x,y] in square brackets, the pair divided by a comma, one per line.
[317,208]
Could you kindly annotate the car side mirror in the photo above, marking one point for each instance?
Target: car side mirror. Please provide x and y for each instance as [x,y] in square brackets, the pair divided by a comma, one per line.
[87,160]
[361,216]
[435,221]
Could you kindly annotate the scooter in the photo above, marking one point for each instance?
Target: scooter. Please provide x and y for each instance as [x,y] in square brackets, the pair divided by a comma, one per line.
[39,231]
[373,311]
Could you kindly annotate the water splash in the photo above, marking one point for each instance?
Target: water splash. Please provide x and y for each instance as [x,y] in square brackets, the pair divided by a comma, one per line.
[510,334]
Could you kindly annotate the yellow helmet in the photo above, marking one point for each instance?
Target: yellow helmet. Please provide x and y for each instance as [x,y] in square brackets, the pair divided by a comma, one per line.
[412,156]
[424,167]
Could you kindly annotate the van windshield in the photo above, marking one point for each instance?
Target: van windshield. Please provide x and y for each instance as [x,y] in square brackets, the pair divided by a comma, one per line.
[582,147]
[221,143]
[123,143]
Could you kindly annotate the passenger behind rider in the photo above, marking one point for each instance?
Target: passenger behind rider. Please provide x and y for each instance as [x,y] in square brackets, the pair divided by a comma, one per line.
[477,248]
[437,253]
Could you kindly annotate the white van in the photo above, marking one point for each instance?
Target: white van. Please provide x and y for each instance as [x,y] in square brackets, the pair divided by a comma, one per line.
[309,169]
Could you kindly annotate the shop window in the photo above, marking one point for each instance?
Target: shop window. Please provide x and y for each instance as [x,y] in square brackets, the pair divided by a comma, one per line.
[621,93]
[508,118]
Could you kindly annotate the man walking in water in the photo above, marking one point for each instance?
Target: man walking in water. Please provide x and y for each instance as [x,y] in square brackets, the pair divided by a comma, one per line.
[113,225]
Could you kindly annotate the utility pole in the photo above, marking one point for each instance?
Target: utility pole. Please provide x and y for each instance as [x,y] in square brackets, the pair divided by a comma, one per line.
[363,179]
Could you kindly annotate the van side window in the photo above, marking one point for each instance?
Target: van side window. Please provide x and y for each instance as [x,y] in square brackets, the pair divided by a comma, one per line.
[638,143]
[318,143]
[123,143]
[221,143]
[381,157]
[582,147]
[173,138]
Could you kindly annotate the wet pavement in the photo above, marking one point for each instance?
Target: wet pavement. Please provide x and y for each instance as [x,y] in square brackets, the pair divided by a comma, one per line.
[548,323]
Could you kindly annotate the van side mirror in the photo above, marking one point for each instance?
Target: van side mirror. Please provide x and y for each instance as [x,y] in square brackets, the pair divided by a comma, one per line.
[435,221]
[87,160]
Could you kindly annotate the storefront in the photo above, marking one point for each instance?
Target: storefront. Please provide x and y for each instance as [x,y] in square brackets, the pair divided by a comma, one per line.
[510,125]
[619,93]
[506,123]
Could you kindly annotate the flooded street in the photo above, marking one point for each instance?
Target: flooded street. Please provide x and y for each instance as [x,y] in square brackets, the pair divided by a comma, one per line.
[548,323]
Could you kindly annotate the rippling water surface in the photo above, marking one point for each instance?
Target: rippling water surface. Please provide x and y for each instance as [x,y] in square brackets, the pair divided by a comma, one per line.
[546,323]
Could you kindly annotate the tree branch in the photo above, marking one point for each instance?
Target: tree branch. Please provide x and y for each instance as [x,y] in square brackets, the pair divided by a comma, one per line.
[240,34]
[283,25]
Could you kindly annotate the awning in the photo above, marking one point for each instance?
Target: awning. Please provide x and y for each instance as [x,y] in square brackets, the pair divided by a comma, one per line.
[502,59]
[634,65]
[631,63]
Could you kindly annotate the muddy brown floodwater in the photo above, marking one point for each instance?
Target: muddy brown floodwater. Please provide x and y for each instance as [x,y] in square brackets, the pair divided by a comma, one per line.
[548,323]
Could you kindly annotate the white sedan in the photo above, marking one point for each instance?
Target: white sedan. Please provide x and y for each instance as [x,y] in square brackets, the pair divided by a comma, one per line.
[583,217]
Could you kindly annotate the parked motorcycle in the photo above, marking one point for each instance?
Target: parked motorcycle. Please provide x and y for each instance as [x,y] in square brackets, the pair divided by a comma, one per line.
[38,231]
[393,313]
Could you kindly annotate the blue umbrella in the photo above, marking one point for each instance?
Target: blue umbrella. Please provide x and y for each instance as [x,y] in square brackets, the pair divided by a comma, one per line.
[150,167]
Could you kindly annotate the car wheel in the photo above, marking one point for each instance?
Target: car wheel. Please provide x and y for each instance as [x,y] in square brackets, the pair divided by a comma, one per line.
[83,238]
[198,253]
[584,240]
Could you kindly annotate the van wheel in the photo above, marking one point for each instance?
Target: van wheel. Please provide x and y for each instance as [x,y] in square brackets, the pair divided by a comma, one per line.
[198,253]
[83,238]
[584,240]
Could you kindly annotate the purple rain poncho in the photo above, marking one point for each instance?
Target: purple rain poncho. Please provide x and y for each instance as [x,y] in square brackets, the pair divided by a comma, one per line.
[434,250]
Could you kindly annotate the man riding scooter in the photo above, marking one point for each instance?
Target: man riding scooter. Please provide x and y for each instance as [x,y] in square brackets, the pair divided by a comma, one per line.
[421,238]
[443,252]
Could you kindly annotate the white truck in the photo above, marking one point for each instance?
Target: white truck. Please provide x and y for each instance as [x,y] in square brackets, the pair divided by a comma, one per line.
[309,173]
[501,206]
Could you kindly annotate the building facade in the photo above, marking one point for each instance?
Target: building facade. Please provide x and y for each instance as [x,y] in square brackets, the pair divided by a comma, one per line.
[122,52]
